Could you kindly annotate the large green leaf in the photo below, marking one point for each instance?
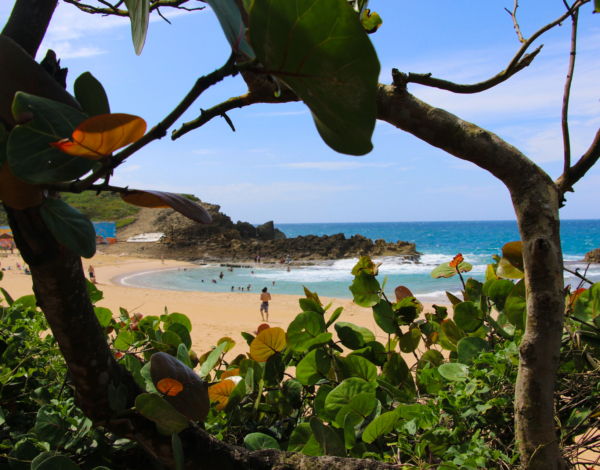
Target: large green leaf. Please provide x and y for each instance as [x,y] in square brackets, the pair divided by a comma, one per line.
[385,317]
[57,462]
[70,227]
[321,51]
[231,22]
[454,371]
[24,453]
[445,270]
[410,340]
[20,72]
[435,359]
[192,401]
[516,305]
[304,329]
[182,332]
[212,359]
[327,438]
[104,316]
[357,366]
[499,291]
[30,155]
[50,427]
[380,426]
[587,306]
[258,440]
[139,15]
[359,407]
[157,409]
[343,393]
[313,367]
[365,289]
[124,340]
[471,347]
[178,318]
[91,95]
[468,317]
[299,437]
[511,265]
[353,336]
[396,369]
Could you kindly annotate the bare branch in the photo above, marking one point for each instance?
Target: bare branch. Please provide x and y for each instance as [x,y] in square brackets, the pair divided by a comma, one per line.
[116,11]
[513,15]
[567,94]
[518,62]
[576,172]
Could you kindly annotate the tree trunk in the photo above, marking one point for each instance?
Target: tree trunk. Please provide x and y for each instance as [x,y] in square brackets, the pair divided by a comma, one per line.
[535,198]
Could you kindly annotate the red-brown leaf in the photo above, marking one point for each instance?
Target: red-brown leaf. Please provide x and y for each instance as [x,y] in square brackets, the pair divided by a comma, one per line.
[159,199]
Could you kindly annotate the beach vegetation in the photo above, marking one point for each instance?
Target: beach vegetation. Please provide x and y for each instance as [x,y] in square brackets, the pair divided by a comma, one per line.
[319,53]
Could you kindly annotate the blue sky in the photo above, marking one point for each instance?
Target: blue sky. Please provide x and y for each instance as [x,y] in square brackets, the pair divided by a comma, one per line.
[275,166]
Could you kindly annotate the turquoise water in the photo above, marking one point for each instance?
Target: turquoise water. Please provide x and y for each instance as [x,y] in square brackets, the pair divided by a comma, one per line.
[438,241]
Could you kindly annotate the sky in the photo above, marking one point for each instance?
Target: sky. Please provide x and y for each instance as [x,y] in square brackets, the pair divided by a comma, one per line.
[276,167]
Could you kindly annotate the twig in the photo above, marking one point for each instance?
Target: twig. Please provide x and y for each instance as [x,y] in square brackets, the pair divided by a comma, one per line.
[513,15]
[576,273]
[161,15]
[567,94]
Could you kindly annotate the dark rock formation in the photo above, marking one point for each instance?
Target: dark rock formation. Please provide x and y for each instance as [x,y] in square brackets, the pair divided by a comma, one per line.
[279,235]
[246,229]
[266,231]
[593,256]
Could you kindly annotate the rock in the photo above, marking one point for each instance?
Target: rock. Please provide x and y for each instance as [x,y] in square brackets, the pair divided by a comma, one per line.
[246,229]
[266,231]
[593,256]
[279,235]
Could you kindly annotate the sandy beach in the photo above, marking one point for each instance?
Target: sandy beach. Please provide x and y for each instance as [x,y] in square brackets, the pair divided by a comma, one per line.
[213,315]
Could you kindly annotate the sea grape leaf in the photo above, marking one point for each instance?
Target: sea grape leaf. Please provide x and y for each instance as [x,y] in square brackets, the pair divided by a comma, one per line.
[410,340]
[435,359]
[366,334]
[499,291]
[230,373]
[236,396]
[70,227]
[468,348]
[334,316]
[349,432]
[192,401]
[19,72]
[327,438]
[365,289]
[587,306]
[99,136]
[312,296]
[50,426]
[178,318]
[454,371]
[258,440]
[319,404]
[133,365]
[320,341]
[396,370]
[169,387]
[104,316]
[231,22]
[299,437]
[365,264]
[343,393]
[385,317]
[30,155]
[516,305]
[91,95]
[160,199]
[380,426]
[371,21]
[157,409]
[182,332]
[309,305]
[57,462]
[468,317]
[357,366]
[304,329]
[511,265]
[359,408]
[139,16]
[444,270]
[267,343]
[177,451]
[219,393]
[313,367]
[230,343]
[321,51]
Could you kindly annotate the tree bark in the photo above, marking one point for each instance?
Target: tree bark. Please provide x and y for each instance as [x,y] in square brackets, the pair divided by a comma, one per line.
[535,198]
[28,22]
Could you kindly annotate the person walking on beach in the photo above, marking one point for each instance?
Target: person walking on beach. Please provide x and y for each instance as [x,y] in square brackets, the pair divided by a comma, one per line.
[92,274]
[264,297]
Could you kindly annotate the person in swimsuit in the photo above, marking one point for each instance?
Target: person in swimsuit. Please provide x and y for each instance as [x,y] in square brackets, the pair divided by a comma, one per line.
[265,297]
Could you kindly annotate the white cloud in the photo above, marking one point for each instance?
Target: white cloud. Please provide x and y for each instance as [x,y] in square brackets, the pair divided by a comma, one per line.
[329,166]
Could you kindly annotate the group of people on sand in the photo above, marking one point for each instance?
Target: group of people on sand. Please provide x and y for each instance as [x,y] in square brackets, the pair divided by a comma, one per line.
[24,268]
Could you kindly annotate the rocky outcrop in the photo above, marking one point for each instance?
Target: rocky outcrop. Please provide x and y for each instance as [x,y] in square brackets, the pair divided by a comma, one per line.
[266,231]
[247,230]
[279,235]
[593,256]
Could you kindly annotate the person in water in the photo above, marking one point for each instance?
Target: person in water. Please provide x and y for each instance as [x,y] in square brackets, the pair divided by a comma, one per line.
[264,297]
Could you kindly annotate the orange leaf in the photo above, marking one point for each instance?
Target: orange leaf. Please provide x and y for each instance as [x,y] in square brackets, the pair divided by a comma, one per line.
[230,373]
[262,327]
[101,135]
[220,393]
[456,261]
[267,343]
[575,295]
[169,387]
[402,292]
[16,193]
[159,199]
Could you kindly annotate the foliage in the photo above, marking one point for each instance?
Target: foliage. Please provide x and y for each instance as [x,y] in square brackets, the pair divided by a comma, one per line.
[104,206]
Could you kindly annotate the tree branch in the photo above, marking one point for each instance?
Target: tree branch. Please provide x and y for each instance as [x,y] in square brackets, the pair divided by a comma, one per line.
[513,15]
[115,11]
[518,63]
[577,171]
[566,96]
[34,13]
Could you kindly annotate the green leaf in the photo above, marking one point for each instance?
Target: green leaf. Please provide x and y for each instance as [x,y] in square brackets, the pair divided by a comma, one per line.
[133,365]
[157,409]
[50,427]
[511,265]
[373,351]
[182,332]
[150,321]
[334,316]
[516,305]
[299,438]
[396,369]
[309,305]
[2,417]
[587,306]
[40,458]
[454,371]
[91,95]
[453,334]
[499,291]
[471,347]
[30,155]
[371,21]
[314,367]
[312,296]
[139,15]
[192,402]
[410,340]
[304,329]
[435,359]
[21,73]
[104,316]
[380,426]
[349,432]
[321,51]
[444,270]
[57,462]
[212,359]
[319,404]
[365,289]
[327,438]
[177,452]
[70,227]
[596,6]
[320,341]
[258,440]
[353,336]
[231,22]
[385,317]
[7,297]
[359,408]
[95,294]
[25,452]
[343,393]
[292,391]
[468,317]
[183,355]
[124,340]
[357,366]
[145,373]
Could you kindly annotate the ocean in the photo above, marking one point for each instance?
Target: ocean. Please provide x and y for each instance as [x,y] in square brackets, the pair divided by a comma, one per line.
[439,242]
